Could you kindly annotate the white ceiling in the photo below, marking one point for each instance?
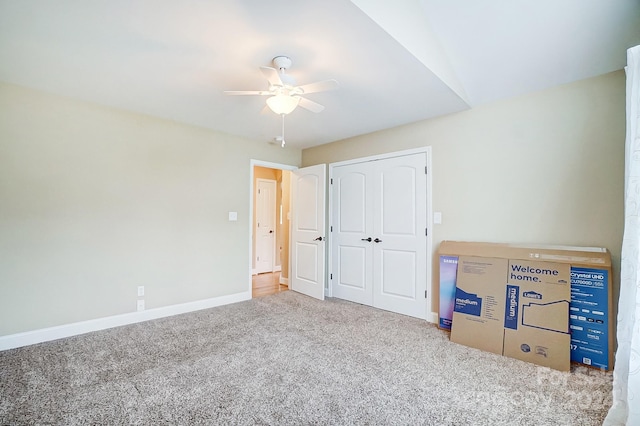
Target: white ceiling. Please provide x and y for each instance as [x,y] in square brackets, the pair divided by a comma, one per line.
[397,62]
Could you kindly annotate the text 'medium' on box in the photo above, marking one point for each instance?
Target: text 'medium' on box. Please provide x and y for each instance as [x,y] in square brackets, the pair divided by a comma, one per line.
[516,308]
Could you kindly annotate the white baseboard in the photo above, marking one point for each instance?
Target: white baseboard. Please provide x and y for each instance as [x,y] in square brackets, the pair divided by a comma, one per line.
[433,317]
[277,268]
[53,333]
[284,281]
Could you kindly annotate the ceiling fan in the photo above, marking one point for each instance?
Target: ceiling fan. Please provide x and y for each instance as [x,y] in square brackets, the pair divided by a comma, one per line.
[284,95]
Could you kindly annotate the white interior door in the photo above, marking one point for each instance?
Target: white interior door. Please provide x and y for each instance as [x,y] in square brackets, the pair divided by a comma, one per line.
[400,241]
[308,231]
[265,225]
[351,242]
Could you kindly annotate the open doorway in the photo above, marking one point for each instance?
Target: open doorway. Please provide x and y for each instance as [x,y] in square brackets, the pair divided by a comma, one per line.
[270,228]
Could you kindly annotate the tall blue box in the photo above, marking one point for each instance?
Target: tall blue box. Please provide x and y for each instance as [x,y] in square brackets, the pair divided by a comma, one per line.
[589,317]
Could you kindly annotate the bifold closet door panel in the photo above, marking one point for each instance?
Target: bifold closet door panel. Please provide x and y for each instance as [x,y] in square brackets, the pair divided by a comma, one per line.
[399,262]
[352,249]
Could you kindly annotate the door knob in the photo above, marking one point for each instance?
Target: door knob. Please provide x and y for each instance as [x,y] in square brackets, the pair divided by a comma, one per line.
[318,239]
[366,239]
[377,240]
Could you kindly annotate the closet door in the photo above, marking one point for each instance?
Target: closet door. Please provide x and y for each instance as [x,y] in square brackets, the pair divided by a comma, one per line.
[400,222]
[378,242]
[351,239]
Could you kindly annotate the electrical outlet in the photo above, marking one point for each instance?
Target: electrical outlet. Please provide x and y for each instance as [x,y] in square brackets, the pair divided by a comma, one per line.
[140,305]
[140,290]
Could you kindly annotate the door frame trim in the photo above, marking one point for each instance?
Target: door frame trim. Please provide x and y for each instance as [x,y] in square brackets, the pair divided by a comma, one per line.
[431,316]
[253,163]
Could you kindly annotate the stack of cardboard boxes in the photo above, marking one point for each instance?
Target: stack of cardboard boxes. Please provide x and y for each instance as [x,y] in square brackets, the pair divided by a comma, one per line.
[543,304]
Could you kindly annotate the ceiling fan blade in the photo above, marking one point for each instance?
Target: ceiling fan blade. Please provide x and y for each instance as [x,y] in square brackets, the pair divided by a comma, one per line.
[272,75]
[246,92]
[319,86]
[310,105]
[266,110]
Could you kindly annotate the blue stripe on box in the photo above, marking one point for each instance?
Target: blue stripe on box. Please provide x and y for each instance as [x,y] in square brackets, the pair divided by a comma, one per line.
[511,307]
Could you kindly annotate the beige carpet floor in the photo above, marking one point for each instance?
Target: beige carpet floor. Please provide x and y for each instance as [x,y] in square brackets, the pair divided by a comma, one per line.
[287,359]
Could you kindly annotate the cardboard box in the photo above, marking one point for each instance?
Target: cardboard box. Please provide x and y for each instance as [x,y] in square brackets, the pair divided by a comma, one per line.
[590,308]
[590,317]
[515,308]
[537,313]
[479,308]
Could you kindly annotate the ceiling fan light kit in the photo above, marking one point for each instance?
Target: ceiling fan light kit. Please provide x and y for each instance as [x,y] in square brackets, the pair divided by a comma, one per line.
[283,104]
[284,95]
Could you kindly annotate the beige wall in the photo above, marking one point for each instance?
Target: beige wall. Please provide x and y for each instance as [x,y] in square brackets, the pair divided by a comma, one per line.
[95,202]
[544,168]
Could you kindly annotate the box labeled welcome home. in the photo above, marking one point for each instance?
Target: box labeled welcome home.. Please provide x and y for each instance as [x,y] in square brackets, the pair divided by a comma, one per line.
[590,308]
[536,322]
[515,308]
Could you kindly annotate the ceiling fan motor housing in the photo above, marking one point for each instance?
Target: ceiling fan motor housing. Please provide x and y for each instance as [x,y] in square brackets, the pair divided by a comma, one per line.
[282,63]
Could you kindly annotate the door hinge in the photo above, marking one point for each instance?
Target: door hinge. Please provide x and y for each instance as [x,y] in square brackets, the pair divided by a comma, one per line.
[330,276]
[426,231]
[331,181]
[425,170]
[425,294]
[331,228]
[258,191]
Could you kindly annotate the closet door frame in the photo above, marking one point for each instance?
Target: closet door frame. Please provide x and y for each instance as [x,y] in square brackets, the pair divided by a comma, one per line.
[429,300]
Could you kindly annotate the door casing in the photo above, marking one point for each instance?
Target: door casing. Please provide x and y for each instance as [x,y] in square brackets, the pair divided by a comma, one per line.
[250,222]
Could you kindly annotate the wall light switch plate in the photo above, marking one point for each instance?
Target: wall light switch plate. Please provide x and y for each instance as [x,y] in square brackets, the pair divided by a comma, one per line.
[233,216]
[437,217]
[140,290]
[140,305]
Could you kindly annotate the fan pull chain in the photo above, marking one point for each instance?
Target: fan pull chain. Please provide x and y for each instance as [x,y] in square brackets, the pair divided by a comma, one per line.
[283,130]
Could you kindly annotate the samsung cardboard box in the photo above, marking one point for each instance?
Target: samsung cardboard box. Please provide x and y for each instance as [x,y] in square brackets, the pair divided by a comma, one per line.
[448,273]
[590,307]
[590,317]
